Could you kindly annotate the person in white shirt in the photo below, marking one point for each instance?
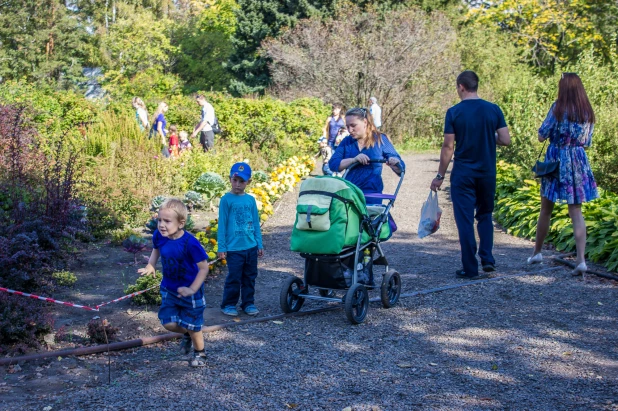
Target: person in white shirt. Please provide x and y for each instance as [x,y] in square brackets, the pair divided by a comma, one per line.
[376,112]
[204,128]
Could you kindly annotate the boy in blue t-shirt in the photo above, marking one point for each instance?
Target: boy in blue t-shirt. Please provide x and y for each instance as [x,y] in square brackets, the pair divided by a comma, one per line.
[240,242]
[185,267]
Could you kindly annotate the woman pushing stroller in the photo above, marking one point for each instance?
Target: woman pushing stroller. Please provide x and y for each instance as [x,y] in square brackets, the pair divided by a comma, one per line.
[365,143]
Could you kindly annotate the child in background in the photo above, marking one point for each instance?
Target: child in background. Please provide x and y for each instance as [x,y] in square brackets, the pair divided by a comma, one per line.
[326,152]
[343,133]
[240,242]
[185,267]
[173,143]
[185,144]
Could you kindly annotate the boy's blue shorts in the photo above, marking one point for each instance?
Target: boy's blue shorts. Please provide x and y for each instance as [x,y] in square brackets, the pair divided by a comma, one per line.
[187,312]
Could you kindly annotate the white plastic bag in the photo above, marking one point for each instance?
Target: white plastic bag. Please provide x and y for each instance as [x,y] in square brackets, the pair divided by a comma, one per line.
[430,216]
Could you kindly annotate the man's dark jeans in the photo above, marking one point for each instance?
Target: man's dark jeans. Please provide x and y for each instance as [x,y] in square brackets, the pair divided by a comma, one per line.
[242,272]
[207,140]
[473,197]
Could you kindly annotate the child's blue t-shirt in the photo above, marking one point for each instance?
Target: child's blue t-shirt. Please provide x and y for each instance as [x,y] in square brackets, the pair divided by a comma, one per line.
[239,223]
[179,259]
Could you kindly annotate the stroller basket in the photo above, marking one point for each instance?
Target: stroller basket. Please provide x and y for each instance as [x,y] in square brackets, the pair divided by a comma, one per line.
[335,271]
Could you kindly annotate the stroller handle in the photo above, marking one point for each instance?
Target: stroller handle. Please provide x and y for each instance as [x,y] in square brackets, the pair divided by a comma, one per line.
[371,161]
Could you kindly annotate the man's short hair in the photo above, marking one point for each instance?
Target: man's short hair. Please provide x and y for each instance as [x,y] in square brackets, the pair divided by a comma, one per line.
[469,80]
[373,100]
[200,97]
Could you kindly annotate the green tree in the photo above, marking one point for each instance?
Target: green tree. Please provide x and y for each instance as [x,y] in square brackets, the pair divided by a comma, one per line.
[136,42]
[42,41]
[552,34]
[204,46]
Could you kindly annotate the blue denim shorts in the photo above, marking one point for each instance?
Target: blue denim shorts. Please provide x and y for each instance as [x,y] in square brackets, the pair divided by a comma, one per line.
[187,312]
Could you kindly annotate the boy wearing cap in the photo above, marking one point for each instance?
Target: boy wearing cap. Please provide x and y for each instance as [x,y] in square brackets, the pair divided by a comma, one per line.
[326,152]
[240,242]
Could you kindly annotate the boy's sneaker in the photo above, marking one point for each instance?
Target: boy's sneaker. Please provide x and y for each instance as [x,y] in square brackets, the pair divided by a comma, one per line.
[251,310]
[185,344]
[198,360]
[230,310]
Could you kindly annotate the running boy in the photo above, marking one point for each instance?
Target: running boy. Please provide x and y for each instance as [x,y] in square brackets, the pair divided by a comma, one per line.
[240,242]
[185,266]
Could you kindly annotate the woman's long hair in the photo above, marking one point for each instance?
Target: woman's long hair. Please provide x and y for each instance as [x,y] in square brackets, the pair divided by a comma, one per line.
[138,102]
[573,100]
[373,136]
[162,106]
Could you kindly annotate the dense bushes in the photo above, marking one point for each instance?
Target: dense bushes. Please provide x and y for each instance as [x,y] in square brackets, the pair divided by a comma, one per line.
[23,323]
[518,204]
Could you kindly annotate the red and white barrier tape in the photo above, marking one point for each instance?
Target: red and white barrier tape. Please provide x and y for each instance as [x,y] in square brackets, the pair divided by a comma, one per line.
[49,300]
[85,307]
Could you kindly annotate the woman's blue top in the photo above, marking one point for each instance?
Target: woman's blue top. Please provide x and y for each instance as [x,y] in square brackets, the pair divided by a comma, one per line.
[160,119]
[368,178]
[333,128]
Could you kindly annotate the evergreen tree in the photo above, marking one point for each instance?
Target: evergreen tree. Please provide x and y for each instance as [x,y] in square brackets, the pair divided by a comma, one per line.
[42,40]
[257,20]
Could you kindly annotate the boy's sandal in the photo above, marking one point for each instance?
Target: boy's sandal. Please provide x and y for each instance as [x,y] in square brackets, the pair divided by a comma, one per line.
[198,361]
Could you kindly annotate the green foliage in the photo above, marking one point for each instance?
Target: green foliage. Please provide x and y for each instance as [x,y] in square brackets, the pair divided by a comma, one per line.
[152,297]
[42,41]
[64,278]
[260,177]
[204,46]
[118,236]
[136,42]
[193,200]
[211,185]
[101,220]
[258,20]
[518,205]
[552,34]
[157,202]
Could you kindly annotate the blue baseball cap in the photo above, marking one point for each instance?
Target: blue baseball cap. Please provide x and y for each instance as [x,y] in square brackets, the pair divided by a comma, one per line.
[241,170]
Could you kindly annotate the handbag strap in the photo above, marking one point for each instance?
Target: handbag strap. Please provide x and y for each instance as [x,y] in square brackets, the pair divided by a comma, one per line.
[541,152]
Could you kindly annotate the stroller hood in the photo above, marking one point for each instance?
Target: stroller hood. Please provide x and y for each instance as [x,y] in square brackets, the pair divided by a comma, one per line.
[328,216]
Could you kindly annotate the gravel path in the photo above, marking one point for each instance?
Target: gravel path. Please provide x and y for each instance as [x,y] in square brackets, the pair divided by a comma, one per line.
[543,342]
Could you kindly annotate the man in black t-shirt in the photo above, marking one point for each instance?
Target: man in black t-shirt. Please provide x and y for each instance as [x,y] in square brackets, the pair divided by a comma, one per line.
[472,129]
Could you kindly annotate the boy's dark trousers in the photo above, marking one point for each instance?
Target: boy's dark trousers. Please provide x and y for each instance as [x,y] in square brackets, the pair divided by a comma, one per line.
[473,197]
[242,272]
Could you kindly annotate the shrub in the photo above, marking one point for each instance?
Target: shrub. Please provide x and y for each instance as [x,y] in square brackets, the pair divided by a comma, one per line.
[23,323]
[152,297]
[64,278]
[193,200]
[260,176]
[211,185]
[134,244]
[100,220]
[101,331]
[118,236]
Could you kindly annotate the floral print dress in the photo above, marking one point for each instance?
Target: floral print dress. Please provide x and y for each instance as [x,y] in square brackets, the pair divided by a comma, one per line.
[567,140]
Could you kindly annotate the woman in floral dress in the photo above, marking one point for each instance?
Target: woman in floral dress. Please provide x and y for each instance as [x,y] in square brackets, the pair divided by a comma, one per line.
[568,126]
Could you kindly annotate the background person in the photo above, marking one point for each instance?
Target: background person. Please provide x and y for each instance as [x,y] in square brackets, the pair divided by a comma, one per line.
[365,143]
[376,112]
[141,113]
[326,152]
[204,128]
[334,123]
[568,126]
[158,127]
[471,126]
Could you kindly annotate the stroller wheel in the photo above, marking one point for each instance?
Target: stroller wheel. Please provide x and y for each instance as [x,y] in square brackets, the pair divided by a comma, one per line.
[327,293]
[356,303]
[290,299]
[390,289]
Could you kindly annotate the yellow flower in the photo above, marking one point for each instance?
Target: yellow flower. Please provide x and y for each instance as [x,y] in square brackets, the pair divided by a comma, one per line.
[212,255]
